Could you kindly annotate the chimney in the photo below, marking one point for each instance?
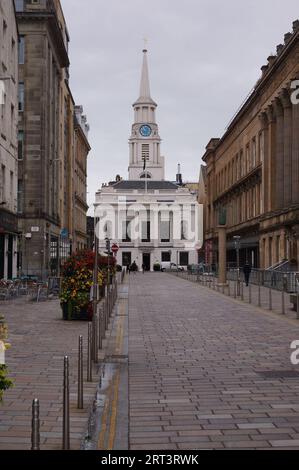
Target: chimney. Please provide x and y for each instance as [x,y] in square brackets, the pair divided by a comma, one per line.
[264,69]
[287,37]
[271,59]
[295,26]
[179,179]
[279,48]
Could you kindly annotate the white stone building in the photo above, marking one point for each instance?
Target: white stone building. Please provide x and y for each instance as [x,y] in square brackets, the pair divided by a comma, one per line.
[8,140]
[150,219]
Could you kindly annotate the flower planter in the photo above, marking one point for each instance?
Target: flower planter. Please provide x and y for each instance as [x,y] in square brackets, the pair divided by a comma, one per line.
[70,313]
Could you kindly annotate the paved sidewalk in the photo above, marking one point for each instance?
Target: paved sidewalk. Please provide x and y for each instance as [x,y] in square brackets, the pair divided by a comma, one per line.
[197,370]
[40,340]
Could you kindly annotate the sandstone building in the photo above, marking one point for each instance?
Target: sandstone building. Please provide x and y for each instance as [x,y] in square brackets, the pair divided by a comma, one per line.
[252,172]
[8,140]
[47,140]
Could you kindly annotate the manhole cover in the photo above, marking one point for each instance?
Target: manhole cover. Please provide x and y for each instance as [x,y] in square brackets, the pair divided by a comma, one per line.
[279,374]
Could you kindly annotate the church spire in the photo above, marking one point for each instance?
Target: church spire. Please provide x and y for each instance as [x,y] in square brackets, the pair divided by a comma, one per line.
[145,92]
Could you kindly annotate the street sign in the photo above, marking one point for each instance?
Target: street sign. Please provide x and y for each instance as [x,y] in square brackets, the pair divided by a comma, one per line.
[115,249]
[34,229]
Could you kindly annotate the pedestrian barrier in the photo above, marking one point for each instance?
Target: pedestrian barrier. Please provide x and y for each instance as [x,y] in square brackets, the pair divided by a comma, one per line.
[210,281]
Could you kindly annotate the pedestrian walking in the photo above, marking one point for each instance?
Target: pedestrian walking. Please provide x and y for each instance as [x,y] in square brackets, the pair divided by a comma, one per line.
[143,268]
[128,269]
[134,267]
[247,272]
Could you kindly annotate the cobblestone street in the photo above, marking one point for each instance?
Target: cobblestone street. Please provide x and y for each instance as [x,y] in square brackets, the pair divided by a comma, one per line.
[197,370]
[191,369]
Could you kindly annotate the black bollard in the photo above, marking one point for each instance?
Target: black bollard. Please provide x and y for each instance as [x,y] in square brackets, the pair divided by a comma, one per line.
[35,428]
[80,374]
[66,406]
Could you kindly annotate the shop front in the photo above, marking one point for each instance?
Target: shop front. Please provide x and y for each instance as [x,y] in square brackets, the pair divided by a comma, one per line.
[8,245]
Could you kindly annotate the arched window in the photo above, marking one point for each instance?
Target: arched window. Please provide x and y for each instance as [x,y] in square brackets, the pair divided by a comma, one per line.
[145,175]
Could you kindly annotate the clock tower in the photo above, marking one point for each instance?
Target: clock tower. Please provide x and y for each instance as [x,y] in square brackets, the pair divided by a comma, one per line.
[145,142]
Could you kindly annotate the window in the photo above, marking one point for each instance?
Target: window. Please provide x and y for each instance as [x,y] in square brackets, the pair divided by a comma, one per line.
[184,230]
[146,231]
[165,256]
[254,153]
[126,258]
[19,5]
[261,148]
[2,185]
[165,231]
[126,236]
[145,152]
[22,50]
[21,145]
[184,258]
[11,191]
[20,197]
[21,96]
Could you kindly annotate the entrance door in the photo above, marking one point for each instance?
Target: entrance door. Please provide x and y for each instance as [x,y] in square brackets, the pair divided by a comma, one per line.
[2,259]
[147,261]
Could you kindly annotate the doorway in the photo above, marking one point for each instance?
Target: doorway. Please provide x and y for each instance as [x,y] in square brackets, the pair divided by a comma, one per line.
[146,260]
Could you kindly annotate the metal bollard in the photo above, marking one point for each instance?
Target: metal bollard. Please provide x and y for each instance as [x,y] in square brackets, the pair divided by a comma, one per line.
[250,294]
[95,337]
[66,406]
[80,374]
[223,289]
[242,290]
[100,328]
[259,296]
[228,290]
[35,427]
[235,289]
[270,299]
[283,309]
[89,353]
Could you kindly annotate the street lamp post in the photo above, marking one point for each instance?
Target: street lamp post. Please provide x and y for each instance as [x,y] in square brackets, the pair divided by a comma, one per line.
[237,240]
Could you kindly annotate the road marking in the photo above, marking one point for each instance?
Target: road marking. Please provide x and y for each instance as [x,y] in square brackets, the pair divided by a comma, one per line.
[114,413]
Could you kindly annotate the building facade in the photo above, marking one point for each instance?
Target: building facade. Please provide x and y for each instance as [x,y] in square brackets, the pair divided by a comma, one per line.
[252,172]
[82,149]
[150,219]
[8,140]
[48,142]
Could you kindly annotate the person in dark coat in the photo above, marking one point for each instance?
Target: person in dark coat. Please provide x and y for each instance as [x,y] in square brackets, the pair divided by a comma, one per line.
[247,272]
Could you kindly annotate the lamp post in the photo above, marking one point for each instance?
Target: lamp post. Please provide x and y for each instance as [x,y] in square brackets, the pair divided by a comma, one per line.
[237,241]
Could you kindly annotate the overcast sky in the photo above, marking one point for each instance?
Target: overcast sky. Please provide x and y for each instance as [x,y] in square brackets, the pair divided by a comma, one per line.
[204,58]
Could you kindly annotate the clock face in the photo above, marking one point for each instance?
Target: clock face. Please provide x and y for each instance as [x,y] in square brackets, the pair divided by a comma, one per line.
[145,131]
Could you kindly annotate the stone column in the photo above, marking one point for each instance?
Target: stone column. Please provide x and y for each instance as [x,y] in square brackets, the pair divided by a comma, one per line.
[279,156]
[265,177]
[270,161]
[266,254]
[287,147]
[222,253]
[295,154]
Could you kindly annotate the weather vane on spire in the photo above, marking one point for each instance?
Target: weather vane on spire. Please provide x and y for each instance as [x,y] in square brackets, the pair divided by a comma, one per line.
[145,40]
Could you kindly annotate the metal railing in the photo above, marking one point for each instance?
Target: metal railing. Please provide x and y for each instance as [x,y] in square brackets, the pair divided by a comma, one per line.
[277,280]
